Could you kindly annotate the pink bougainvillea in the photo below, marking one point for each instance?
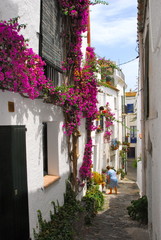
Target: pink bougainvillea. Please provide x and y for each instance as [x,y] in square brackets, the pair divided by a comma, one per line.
[85,169]
[109,118]
[21,70]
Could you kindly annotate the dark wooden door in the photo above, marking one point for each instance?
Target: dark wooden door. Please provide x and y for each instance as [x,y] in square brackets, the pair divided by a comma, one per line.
[14,220]
[131,152]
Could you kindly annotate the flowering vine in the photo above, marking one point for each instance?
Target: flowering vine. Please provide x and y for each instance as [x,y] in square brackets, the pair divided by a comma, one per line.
[109,119]
[80,101]
[85,169]
[21,70]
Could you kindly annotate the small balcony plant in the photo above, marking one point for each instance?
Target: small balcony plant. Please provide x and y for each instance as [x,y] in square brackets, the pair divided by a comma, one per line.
[115,144]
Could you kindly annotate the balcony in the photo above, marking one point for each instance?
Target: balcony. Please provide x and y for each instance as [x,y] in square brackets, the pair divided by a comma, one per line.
[133,139]
[114,144]
[120,74]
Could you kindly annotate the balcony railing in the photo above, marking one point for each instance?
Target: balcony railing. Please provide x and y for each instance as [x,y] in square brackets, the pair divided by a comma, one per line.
[120,74]
[114,144]
[133,139]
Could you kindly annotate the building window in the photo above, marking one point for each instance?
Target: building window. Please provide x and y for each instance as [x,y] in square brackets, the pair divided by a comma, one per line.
[45,144]
[54,74]
[115,103]
[101,118]
[110,80]
[130,108]
[102,122]
[50,40]
[133,135]
[123,104]
[50,148]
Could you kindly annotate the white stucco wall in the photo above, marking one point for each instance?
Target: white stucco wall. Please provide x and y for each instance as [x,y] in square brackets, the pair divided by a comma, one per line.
[32,113]
[152,163]
[153,131]
[131,120]
[29,13]
[102,149]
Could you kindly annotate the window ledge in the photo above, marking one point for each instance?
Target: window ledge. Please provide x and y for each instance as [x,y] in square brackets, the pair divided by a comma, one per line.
[49,179]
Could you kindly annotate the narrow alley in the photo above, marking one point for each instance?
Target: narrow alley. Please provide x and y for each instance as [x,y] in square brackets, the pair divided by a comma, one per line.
[114,222]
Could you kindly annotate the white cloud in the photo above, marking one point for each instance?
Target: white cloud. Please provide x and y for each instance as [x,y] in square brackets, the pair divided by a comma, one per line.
[120,30]
[115,27]
[110,26]
[113,9]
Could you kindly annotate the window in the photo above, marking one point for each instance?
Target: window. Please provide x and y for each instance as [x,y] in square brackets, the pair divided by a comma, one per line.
[102,122]
[50,150]
[133,134]
[130,108]
[45,154]
[123,104]
[50,44]
[109,80]
[54,74]
[115,103]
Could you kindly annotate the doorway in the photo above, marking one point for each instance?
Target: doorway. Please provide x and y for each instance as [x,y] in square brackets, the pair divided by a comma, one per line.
[131,152]
[14,218]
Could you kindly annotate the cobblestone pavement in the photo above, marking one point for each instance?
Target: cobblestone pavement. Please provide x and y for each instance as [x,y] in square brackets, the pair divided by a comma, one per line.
[113,222]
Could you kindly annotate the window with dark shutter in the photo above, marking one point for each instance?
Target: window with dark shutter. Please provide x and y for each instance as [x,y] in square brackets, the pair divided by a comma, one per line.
[50,45]
[45,148]
[102,122]
[130,108]
[133,134]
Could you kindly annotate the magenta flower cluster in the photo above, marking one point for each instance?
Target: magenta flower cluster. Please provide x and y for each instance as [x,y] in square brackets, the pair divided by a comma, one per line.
[80,101]
[84,99]
[21,70]
[85,169]
[77,10]
[109,118]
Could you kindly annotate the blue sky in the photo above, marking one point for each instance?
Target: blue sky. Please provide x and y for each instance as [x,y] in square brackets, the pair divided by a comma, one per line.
[114,35]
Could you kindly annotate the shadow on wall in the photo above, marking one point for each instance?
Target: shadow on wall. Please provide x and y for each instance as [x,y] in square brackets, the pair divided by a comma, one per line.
[32,113]
[26,108]
[26,219]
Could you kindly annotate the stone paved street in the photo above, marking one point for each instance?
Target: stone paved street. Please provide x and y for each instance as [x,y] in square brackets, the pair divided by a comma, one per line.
[114,222]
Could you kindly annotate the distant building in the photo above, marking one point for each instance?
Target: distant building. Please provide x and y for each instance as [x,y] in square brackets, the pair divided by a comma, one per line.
[131,123]
[113,92]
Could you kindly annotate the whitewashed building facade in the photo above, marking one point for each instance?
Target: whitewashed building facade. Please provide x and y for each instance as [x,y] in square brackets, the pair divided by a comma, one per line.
[114,94]
[131,123]
[149,177]
[26,122]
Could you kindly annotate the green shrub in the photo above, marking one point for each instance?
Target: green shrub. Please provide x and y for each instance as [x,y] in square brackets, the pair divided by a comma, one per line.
[138,210]
[64,219]
[93,202]
[135,162]
[122,172]
[60,226]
